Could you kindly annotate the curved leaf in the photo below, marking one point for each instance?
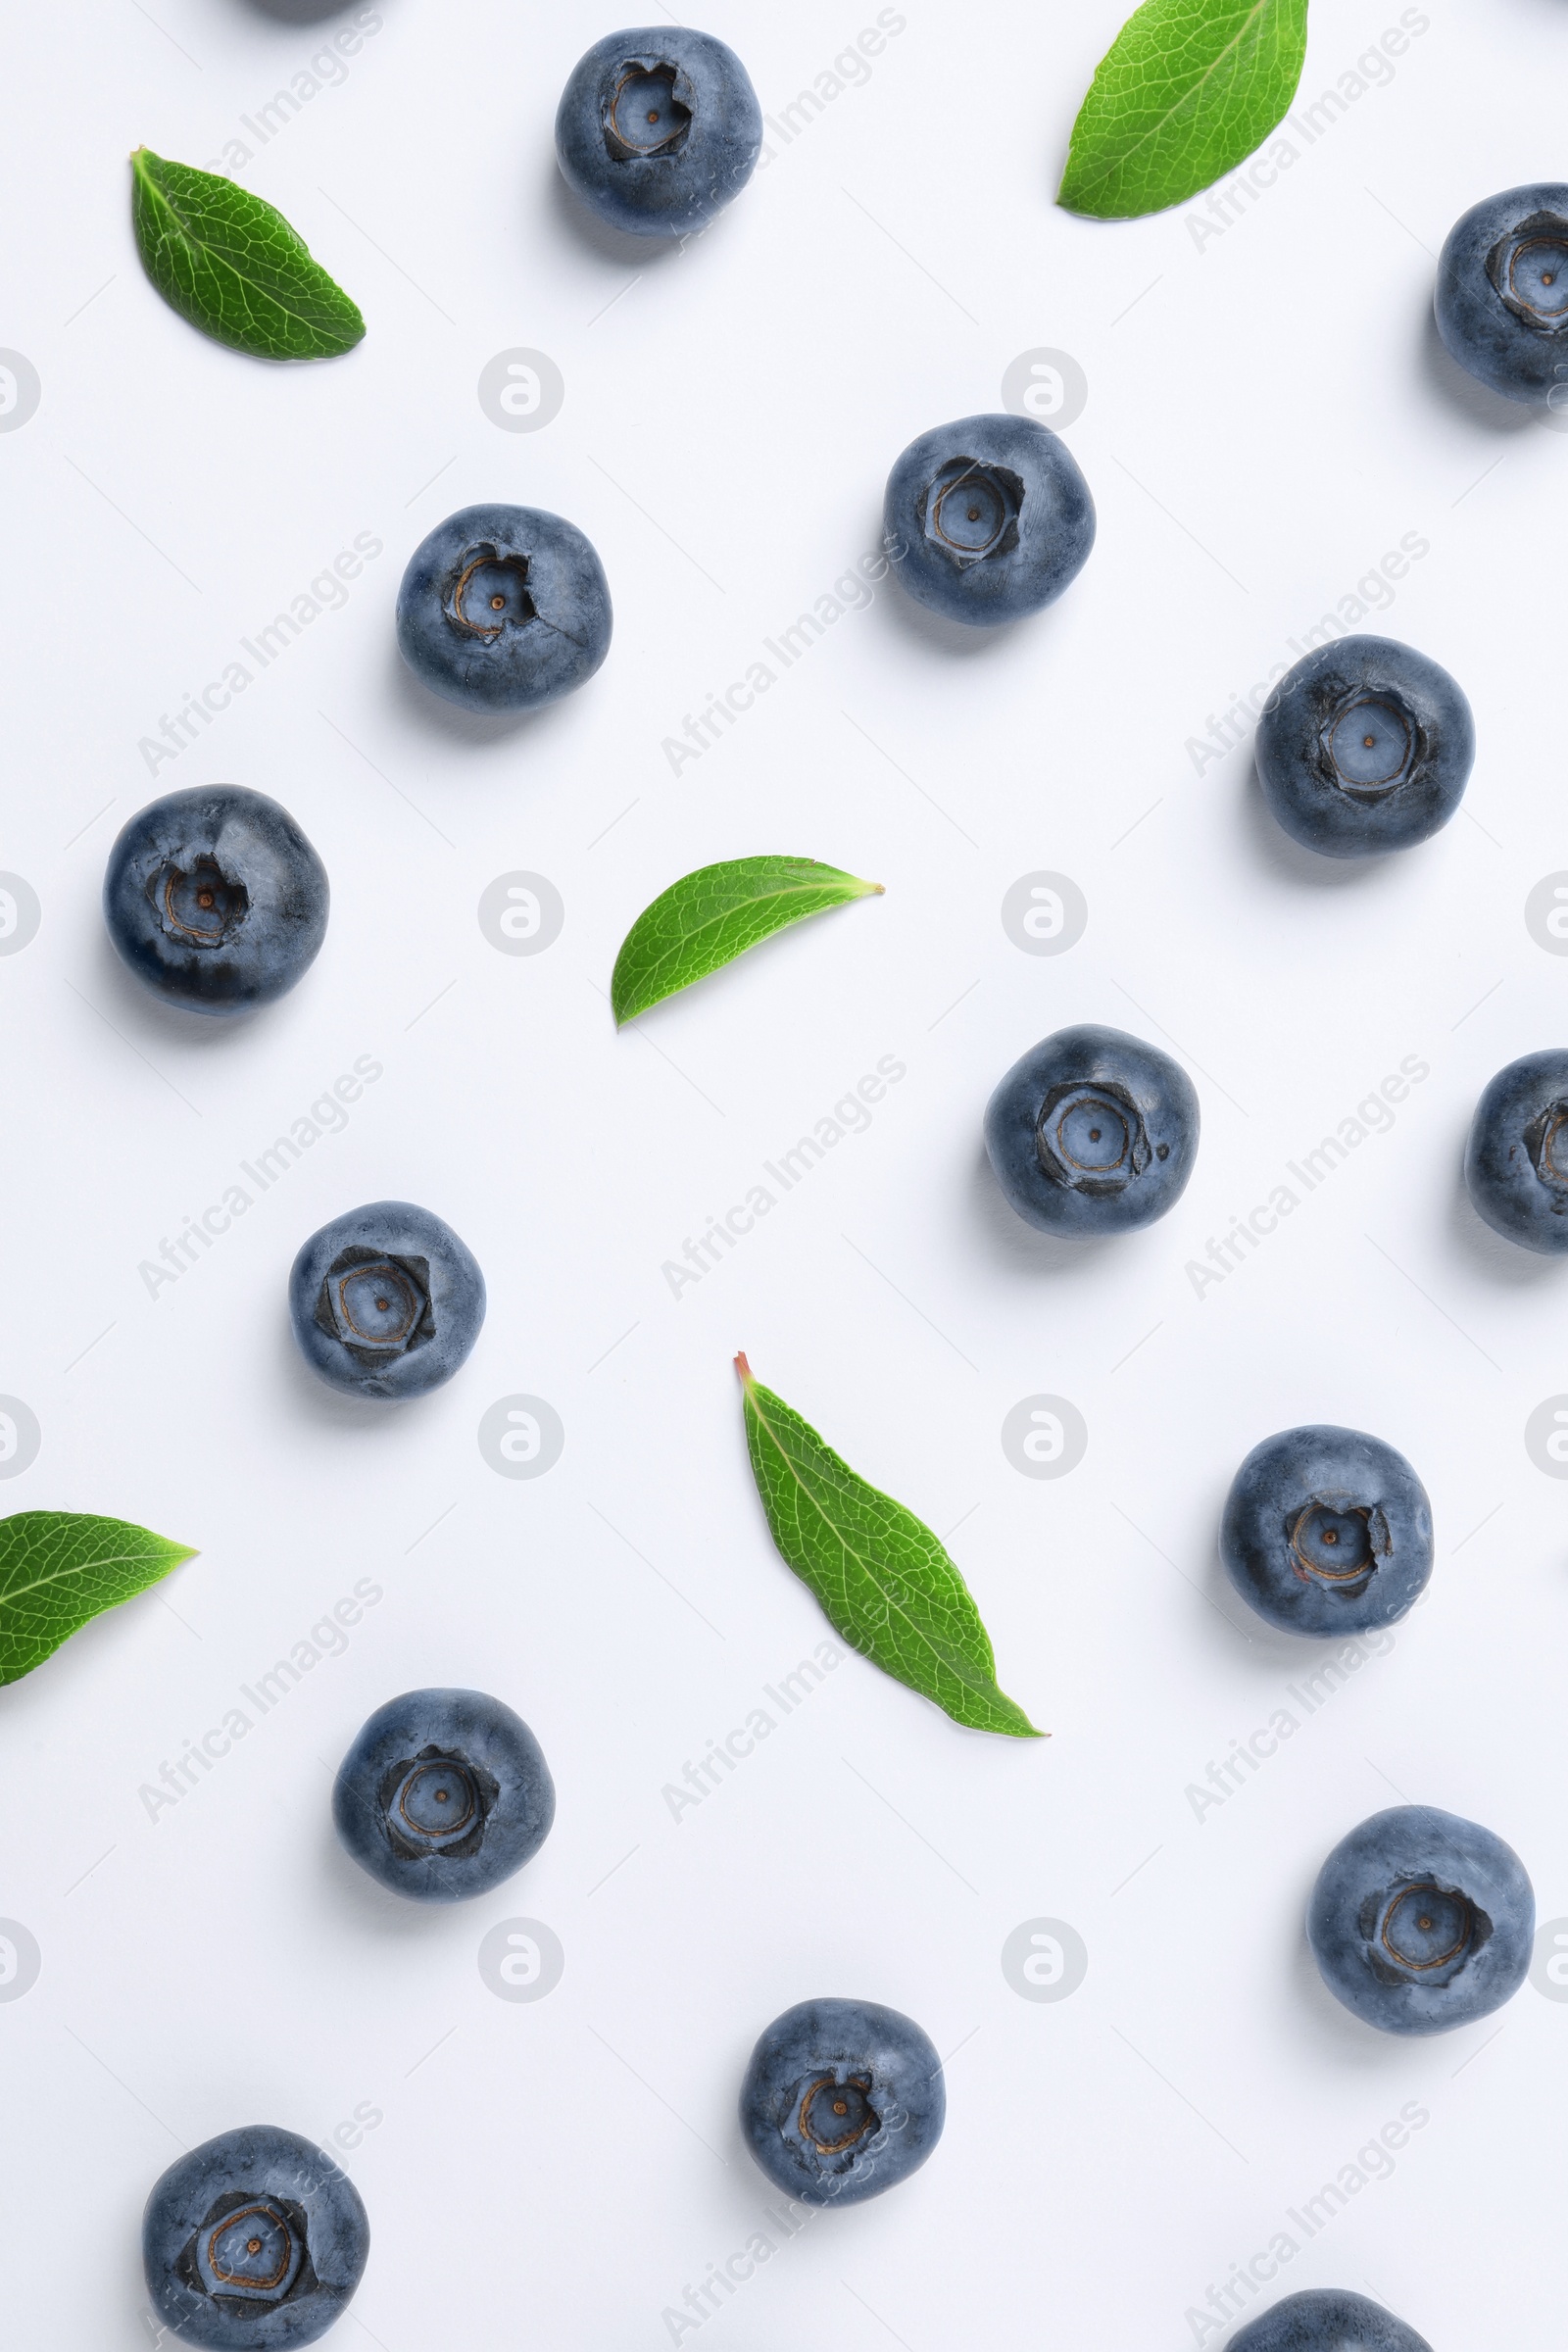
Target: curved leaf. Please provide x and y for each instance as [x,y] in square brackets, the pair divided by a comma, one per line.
[884,1580]
[59,1568]
[708,918]
[232,265]
[1185,92]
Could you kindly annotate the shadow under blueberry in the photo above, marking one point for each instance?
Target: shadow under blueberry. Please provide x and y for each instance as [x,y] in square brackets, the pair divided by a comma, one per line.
[1491,1254]
[1021,1248]
[903,616]
[300,11]
[1290,860]
[415,706]
[1461,393]
[630,255]
[151,1023]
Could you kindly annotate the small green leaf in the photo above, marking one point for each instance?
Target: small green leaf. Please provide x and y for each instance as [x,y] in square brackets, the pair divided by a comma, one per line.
[885,1582]
[59,1568]
[1185,92]
[232,265]
[708,918]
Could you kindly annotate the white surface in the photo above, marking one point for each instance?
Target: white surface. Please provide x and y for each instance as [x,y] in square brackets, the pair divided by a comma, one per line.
[1267,420]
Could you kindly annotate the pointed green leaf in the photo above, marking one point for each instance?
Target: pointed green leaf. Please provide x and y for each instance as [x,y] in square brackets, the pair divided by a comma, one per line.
[884,1580]
[1185,92]
[59,1568]
[708,918]
[232,265]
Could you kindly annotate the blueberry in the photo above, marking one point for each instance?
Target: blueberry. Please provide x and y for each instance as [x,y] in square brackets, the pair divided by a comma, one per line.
[841,2099]
[1327,2319]
[657,129]
[216,899]
[1420,1921]
[386,1300]
[504,608]
[1328,1532]
[442,1796]
[1502,292]
[1364,746]
[987,519]
[254,2240]
[1092,1132]
[1516,1157]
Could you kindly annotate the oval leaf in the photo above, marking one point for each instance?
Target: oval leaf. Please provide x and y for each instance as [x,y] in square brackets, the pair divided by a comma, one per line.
[232,265]
[884,1580]
[59,1568]
[708,918]
[1185,92]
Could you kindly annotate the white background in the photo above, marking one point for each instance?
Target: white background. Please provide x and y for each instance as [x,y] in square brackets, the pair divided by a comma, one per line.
[1268,414]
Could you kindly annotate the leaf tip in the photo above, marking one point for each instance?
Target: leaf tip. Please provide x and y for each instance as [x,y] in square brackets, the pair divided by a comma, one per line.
[748,1376]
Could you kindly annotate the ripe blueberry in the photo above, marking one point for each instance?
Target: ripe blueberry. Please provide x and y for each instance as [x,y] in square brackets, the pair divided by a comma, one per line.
[1327,1531]
[1092,1132]
[1327,2319]
[657,129]
[255,2239]
[386,1300]
[1502,293]
[442,1796]
[504,608]
[1421,1921]
[1516,1157]
[987,519]
[216,899]
[1365,746]
[841,2099]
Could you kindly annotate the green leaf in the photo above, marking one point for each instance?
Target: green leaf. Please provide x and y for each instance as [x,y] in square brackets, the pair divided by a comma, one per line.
[1185,92]
[884,1580]
[59,1568]
[232,265]
[708,918]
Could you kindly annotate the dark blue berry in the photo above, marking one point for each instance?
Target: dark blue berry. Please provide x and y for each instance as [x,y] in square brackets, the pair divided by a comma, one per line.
[504,608]
[386,1300]
[657,129]
[1421,1921]
[1327,1531]
[1502,293]
[253,2241]
[442,1796]
[1327,2319]
[1092,1132]
[1365,747]
[987,519]
[216,899]
[1516,1158]
[841,2099]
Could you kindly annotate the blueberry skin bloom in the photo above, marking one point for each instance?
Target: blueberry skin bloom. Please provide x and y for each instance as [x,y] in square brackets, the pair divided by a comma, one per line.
[1365,746]
[256,2239]
[216,899]
[1502,293]
[442,1796]
[987,519]
[1327,1531]
[1421,1921]
[1327,2319]
[386,1300]
[504,608]
[841,2099]
[1092,1132]
[657,129]
[1516,1154]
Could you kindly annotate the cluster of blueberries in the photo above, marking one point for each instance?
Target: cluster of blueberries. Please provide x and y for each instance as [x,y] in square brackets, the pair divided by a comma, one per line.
[1419,1921]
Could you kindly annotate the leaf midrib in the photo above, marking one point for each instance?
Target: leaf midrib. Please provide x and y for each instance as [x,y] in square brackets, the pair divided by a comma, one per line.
[714,923]
[983,1689]
[1258,9]
[107,1559]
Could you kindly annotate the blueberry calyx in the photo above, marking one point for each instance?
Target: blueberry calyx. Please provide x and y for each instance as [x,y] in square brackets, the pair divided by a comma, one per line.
[1529,269]
[497,587]
[1091,1137]
[648,111]
[835,2116]
[199,905]
[971,510]
[1371,744]
[249,2250]
[1422,1932]
[437,1802]
[1543,1139]
[376,1305]
[1335,1542]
